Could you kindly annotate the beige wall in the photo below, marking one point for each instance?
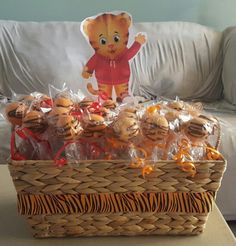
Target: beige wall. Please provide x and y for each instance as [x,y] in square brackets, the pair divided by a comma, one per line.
[214,13]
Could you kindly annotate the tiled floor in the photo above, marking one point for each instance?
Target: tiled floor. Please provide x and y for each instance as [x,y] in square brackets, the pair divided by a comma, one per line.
[232,225]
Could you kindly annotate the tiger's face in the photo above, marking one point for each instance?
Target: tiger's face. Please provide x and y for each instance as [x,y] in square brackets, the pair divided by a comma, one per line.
[108,33]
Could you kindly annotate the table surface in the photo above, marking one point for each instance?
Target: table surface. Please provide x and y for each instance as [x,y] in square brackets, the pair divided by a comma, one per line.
[15,231]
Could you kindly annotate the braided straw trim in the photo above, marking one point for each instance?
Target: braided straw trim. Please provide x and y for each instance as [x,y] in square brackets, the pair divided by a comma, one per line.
[116,224]
[101,176]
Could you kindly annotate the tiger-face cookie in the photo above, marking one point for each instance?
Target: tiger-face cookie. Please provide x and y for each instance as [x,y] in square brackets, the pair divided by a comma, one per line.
[68,128]
[126,128]
[15,112]
[154,127]
[35,121]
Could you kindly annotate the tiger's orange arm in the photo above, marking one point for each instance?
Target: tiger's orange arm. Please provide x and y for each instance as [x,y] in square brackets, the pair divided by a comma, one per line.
[133,50]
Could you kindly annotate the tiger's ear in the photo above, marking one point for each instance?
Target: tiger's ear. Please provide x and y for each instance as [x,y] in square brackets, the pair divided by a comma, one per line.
[125,19]
[86,25]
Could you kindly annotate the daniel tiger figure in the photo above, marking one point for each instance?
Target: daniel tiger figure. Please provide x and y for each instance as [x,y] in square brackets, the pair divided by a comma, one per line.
[108,34]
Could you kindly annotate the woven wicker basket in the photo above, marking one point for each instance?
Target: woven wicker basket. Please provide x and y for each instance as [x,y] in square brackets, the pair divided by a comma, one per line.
[110,198]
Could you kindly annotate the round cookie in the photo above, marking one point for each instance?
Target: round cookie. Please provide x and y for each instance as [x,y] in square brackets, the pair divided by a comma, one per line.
[197,129]
[154,127]
[86,102]
[125,127]
[109,104]
[176,105]
[171,115]
[210,119]
[35,121]
[36,102]
[63,102]
[194,109]
[55,113]
[15,112]
[28,99]
[130,110]
[45,97]
[67,127]
[129,113]
[94,125]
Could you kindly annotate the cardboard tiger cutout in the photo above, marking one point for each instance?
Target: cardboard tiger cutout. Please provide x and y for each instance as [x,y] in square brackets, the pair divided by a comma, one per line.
[108,34]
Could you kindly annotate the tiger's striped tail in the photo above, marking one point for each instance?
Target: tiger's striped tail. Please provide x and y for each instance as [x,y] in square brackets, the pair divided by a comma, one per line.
[92,90]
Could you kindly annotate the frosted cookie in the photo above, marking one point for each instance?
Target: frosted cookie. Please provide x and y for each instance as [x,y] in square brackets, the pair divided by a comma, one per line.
[126,127]
[129,113]
[171,115]
[28,99]
[155,127]
[15,112]
[35,121]
[63,102]
[94,125]
[197,129]
[86,102]
[176,105]
[55,113]
[109,104]
[68,127]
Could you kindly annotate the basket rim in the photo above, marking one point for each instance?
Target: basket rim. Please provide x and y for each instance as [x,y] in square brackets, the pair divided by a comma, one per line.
[31,162]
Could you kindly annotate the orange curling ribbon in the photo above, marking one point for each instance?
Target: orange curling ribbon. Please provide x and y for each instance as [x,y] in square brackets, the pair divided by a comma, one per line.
[153,109]
[184,159]
[113,143]
[188,167]
[184,144]
[147,170]
[213,154]
[140,162]
[137,163]
[183,155]
[116,144]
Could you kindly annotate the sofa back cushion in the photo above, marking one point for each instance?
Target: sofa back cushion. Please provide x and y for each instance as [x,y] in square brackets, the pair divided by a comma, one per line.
[34,55]
[229,65]
[179,58]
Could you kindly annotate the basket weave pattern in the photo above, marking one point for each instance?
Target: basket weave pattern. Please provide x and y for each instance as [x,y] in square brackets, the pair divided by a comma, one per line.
[114,177]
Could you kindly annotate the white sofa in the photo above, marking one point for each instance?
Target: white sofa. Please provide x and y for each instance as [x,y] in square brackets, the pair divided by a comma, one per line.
[180,59]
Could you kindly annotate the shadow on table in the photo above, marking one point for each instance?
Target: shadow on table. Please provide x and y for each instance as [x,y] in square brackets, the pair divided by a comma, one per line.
[11,222]
[232,225]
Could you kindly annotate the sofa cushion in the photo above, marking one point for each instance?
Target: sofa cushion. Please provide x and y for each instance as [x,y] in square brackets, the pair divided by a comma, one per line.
[180,58]
[229,71]
[33,55]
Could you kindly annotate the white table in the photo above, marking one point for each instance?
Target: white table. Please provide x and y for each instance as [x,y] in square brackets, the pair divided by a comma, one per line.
[14,231]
